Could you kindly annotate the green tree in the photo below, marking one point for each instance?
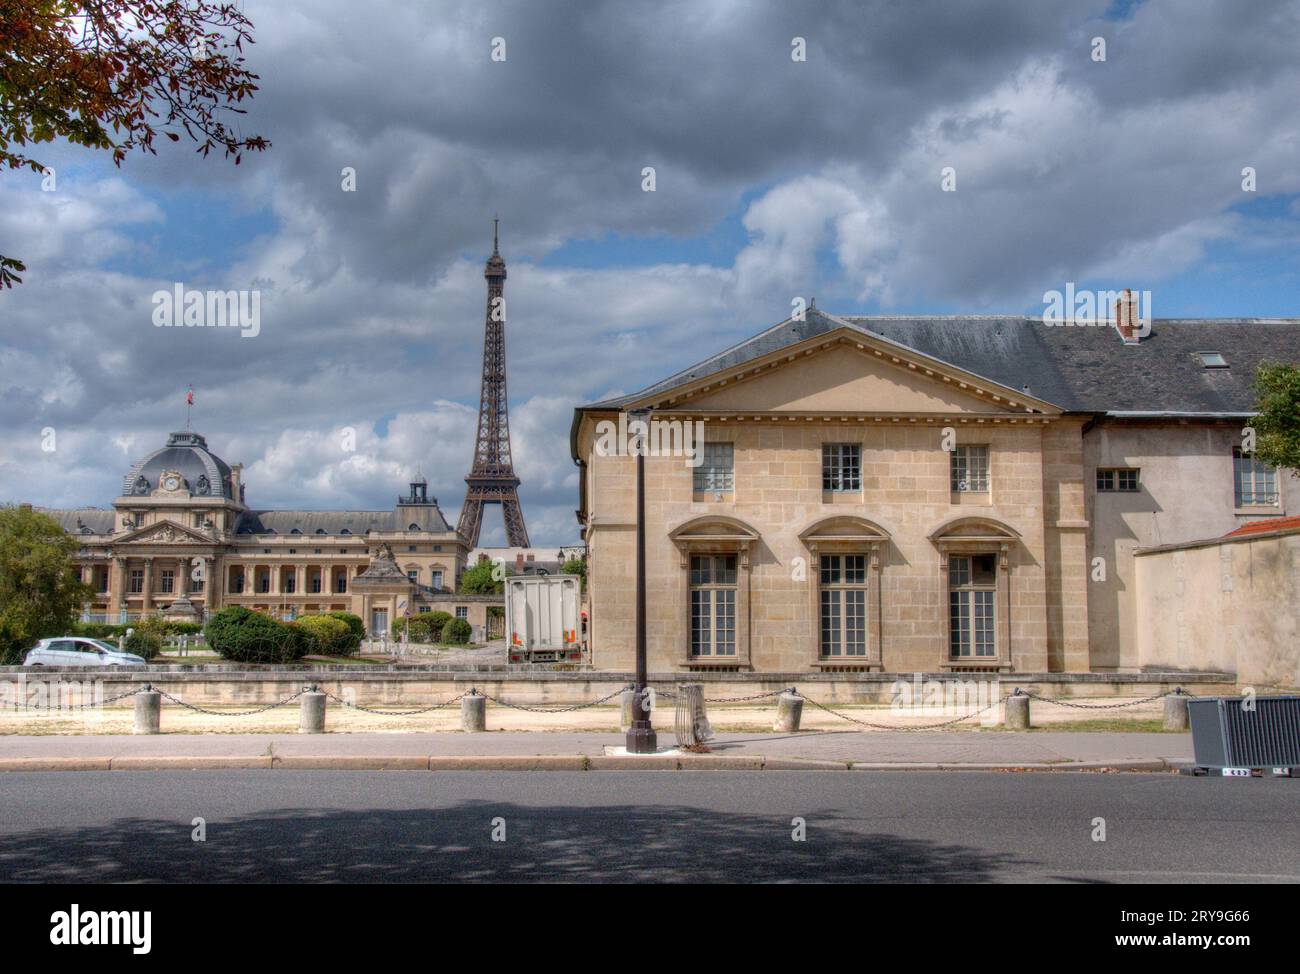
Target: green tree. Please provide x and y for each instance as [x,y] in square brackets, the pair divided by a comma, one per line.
[485,578]
[113,74]
[40,593]
[1277,427]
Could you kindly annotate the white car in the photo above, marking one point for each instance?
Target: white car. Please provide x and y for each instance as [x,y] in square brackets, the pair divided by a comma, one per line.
[79,651]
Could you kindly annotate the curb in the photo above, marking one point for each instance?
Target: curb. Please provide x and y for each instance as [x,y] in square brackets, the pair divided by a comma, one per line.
[541,762]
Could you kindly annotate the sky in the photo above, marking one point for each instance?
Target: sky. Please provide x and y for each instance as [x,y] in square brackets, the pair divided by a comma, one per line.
[774,178]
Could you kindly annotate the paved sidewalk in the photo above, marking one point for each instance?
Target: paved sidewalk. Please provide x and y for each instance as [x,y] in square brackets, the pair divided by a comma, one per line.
[921,750]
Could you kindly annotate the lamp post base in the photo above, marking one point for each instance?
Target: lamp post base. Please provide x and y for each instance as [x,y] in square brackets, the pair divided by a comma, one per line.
[641,738]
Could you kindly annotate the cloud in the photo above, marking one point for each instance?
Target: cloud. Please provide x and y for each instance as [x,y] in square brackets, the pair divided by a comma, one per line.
[826,174]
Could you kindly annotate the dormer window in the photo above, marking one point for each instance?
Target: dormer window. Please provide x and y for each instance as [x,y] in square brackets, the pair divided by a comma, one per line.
[413,527]
[345,531]
[1212,360]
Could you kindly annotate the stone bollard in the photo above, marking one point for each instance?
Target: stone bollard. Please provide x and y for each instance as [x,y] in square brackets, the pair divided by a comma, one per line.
[473,712]
[789,710]
[311,712]
[1176,711]
[148,709]
[1017,714]
[625,700]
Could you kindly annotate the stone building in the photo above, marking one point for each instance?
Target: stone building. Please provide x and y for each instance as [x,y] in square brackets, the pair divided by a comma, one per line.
[921,494]
[180,540]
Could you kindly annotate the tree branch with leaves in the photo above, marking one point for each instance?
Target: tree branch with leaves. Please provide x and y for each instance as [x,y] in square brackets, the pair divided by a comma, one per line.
[115,74]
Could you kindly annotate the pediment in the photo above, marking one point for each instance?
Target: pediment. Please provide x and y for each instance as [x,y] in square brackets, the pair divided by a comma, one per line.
[712,528]
[848,371]
[164,532]
[975,528]
[841,529]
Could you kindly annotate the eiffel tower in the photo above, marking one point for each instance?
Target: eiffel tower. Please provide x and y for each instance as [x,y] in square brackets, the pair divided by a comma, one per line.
[492,477]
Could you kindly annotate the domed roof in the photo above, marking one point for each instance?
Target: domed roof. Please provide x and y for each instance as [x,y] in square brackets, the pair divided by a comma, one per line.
[204,473]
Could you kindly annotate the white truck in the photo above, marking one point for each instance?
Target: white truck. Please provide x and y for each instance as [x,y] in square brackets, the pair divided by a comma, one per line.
[543,621]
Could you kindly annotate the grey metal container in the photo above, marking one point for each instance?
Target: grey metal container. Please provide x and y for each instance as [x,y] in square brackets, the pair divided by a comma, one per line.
[1227,734]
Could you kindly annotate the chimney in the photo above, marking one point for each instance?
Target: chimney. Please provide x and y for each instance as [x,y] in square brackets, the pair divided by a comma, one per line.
[519,563]
[1126,318]
[235,493]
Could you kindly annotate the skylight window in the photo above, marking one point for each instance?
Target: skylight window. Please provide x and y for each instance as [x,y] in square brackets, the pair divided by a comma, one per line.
[1212,360]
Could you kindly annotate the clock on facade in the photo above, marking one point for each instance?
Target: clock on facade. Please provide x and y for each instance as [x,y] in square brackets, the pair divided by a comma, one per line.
[171,482]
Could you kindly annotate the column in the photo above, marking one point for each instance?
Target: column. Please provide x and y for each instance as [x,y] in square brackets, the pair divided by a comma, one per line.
[117,584]
[212,584]
[146,596]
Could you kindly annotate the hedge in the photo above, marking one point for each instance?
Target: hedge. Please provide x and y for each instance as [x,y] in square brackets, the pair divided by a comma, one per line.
[250,637]
[143,643]
[457,632]
[356,631]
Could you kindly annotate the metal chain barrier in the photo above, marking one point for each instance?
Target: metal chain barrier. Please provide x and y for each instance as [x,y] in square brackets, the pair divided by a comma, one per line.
[1103,706]
[752,696]
[893,727]
[558,710]
[83,706]
[394,713]
[222,713]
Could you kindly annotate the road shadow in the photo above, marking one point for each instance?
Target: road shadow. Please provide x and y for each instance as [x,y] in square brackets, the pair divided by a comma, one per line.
[606,844]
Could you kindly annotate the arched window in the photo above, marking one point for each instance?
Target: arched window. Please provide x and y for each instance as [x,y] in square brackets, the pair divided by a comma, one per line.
[345,531]
[295,531]
[413,527]
[975,556]
[320,530]
[847,552]
[714,590]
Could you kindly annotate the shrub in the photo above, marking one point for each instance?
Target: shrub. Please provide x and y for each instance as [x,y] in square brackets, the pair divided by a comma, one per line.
[250,637]
[329,636]
[425,627]
[144,643]
[356,631]
[457,632]
[99,630]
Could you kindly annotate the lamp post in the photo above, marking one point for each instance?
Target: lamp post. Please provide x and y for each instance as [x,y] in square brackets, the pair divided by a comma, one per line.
[640,736]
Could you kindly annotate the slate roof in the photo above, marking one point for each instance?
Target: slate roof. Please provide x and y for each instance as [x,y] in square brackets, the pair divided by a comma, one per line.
[1079,368]
[82,520]
[428,517]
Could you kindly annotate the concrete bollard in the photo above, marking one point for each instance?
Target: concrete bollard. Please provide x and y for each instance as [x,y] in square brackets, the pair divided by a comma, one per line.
[789,711]
[311,712]
[1176,712]
[473,712]
[1017,713]
[148,710]
[625,700]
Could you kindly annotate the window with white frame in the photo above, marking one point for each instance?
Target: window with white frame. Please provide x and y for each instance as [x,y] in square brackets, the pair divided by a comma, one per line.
[969,468]
[972,597]
[716,472]
[462,612]
[1254,483]
[713,605]
[1124,479]
[843,605]
[437,579]
[841,467]
[168,581]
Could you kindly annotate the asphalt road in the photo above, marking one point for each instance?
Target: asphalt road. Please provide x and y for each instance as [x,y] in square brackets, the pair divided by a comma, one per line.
[305,826]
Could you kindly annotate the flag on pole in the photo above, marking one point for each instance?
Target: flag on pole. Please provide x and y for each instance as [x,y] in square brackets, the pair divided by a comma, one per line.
[189,397]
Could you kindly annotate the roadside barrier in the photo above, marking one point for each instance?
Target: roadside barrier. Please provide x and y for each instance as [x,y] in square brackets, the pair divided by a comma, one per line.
[691,723]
